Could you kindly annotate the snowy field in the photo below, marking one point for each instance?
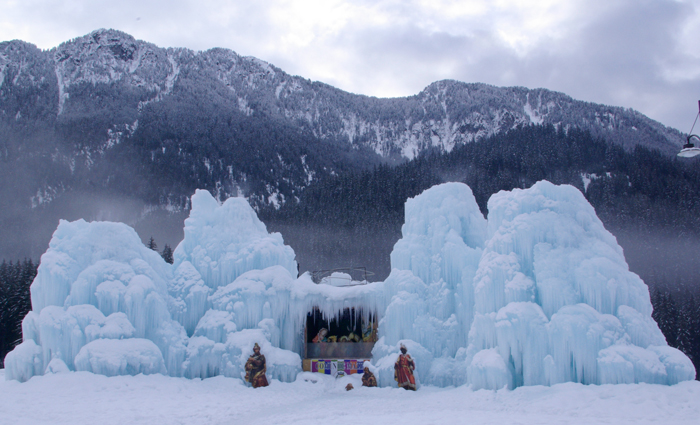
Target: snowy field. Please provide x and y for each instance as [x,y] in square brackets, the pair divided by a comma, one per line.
[86,398]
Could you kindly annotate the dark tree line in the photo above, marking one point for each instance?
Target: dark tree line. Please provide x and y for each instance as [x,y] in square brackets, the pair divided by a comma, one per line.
[15,302]
[641,184]
[678,316]
[640,189]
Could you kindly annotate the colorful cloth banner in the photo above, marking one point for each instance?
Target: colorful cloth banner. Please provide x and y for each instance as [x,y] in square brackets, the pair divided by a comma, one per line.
[347,367]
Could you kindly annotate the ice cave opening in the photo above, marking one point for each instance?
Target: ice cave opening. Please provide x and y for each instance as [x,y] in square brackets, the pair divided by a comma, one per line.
[340,344]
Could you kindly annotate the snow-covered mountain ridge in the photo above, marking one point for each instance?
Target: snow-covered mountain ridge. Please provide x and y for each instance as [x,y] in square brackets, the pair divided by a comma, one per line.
[444,114]
[106,116]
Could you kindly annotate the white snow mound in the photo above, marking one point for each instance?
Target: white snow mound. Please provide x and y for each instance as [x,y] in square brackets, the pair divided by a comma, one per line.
[112,357]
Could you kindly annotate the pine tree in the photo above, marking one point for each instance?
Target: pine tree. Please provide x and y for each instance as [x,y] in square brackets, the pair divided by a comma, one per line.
[666,315]
[684,322]
[679,321]
[15,302]
[152,244]
[167,254]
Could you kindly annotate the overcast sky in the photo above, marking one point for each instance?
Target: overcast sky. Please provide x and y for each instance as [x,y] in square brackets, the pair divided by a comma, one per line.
[642,54]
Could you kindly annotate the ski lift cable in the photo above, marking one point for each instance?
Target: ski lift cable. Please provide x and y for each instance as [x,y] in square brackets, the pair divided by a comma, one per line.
[689,149]
[696,119]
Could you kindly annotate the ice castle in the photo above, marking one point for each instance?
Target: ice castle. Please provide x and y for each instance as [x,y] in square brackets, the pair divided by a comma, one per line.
[538,294]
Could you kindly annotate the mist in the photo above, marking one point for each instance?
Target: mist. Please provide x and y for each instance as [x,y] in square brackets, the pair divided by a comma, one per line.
[328,247]
[28,235]
[666,259]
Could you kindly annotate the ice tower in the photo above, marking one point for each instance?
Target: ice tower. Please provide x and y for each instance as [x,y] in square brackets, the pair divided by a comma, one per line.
[544,292]
[99,303]
[430,287]
[105,303]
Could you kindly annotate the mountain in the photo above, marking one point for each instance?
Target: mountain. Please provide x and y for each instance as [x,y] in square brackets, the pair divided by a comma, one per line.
[109,127]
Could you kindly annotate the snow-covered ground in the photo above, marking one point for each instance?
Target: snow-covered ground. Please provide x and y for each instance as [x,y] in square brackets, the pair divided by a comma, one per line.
[86,398]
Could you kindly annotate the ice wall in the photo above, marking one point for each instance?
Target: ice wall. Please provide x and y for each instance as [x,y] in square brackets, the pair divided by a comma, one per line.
[548,299]
[224,241]
[234,285]
[538,294]
[103,302]
[443,239]
[97,285]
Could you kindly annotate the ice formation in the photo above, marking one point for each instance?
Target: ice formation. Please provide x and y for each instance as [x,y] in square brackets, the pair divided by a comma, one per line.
[103,302]
[538,294]
[541,290]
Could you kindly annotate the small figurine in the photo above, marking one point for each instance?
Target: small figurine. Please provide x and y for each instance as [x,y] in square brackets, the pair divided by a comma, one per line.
[352,337]
[321,336]
[349,387]
[403,370]
[368,379]
[255,368]
[368,332]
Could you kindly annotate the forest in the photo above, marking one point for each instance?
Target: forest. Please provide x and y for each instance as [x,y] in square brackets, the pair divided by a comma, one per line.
[638,192]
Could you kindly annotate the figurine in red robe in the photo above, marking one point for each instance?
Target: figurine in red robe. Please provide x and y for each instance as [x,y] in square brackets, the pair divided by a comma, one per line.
[403,370]
[255,368]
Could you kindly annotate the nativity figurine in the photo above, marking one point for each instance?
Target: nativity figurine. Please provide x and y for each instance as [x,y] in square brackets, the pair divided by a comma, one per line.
[368,379]
[255,368]
[403,370]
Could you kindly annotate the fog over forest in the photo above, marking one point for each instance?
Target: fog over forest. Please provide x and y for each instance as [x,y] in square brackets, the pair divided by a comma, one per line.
[345,221]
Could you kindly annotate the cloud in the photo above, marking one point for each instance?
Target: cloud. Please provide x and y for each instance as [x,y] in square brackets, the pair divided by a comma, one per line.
[633,53]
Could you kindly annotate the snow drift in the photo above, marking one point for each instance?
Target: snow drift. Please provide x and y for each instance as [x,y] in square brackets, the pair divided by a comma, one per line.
[538,294]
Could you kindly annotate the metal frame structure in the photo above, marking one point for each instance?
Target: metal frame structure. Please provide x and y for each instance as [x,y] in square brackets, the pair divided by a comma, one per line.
[318,275]
[689,150]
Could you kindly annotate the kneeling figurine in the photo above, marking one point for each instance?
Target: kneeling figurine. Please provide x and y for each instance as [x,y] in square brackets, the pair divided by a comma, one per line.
[255,368]
[368,379]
